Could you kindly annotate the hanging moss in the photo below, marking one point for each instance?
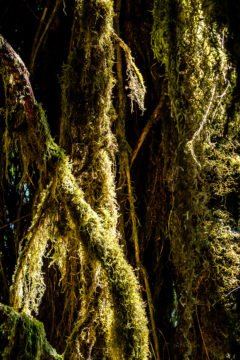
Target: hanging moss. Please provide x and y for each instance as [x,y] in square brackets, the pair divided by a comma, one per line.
[91,223]
[129,309]
[192,45]
[87,117]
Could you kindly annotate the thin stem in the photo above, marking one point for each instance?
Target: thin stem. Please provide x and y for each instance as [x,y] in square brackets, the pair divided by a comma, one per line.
[39,42]
[36,39]
[125,163]
[147,128]
[14,222]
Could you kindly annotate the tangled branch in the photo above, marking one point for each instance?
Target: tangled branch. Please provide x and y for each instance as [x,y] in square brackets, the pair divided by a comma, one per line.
[88,227]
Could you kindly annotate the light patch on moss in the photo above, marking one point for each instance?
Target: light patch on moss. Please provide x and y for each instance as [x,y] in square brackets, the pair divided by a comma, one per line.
[83,192]
[129,307]
[192,44]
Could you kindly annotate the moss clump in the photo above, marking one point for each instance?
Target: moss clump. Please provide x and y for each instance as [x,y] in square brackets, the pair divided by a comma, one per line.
[23,338]
[87,82]
[129,309]
[84,191]
[193,46]
[87,117]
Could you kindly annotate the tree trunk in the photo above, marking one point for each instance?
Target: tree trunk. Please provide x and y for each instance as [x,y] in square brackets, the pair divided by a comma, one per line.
[136,161]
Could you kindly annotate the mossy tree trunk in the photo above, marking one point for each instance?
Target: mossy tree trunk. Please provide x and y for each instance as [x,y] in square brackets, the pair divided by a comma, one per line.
[159,175]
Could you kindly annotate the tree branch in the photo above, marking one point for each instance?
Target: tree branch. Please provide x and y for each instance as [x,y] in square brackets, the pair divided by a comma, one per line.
[90,230]
[153,119]
[17,77]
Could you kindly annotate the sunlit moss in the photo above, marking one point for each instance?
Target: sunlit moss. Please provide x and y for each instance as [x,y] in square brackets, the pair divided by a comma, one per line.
[28,283]
[193,46]
[128,306]
[75,213]
[86,134]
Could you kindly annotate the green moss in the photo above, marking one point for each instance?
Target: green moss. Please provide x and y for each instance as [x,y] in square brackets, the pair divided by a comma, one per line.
[82,186]
[87,83]
[192,45]
[131,318]
[23,337]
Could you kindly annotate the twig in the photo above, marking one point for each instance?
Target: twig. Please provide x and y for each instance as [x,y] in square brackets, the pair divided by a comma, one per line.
[229,293]
[4,278]
[198,320]
[129,57]
[13,222]
[151,121]
[30,9]
[30,179]
[165,343]
[221,97]
[34,53]
[135,79]
[151,312]
[32,59]
[152,348]
[201,332]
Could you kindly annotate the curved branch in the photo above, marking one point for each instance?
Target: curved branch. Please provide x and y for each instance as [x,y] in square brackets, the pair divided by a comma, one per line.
[17,76]
[121,278]
[91,231]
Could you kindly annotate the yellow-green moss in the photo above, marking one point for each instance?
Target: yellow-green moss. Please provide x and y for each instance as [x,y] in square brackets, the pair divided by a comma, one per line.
[86,134]
[192,44]
[91,223]
[131,318]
